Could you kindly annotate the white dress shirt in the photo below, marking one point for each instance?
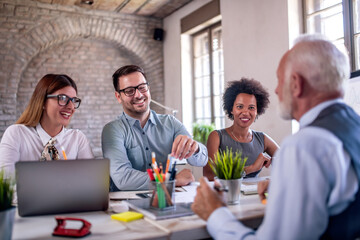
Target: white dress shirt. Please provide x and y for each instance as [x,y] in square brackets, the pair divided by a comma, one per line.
[312,179]
[22,143]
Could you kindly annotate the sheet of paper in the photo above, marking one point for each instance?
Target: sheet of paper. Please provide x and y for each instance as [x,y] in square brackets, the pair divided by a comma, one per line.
[188,194]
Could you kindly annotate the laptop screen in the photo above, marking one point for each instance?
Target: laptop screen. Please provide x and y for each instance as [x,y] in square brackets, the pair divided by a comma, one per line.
[53,187]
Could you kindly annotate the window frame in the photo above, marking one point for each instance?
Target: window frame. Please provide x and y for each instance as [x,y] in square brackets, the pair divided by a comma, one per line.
[349,33]
[208,30]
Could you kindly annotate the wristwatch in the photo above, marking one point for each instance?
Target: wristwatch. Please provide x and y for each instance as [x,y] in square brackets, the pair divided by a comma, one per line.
[243,173]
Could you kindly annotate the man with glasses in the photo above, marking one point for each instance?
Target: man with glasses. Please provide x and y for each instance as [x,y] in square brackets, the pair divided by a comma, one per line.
[130,140]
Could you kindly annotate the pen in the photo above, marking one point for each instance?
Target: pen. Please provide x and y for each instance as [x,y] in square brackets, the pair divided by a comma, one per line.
[158,175]
[221,189]
[161,169]
[63,152]
[153,158]
[173,172]
[167,165]
[151,175]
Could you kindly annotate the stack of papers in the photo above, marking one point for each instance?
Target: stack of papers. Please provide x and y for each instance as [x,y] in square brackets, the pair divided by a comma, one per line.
[249,185]
[248,189]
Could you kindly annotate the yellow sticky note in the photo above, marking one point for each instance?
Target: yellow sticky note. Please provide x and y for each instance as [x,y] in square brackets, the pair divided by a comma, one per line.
[127,216]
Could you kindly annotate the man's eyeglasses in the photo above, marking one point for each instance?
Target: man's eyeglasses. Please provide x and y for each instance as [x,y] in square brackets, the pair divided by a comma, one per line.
[130,91]
[63,100]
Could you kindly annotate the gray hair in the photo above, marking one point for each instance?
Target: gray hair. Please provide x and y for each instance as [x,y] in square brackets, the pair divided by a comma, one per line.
[320,62]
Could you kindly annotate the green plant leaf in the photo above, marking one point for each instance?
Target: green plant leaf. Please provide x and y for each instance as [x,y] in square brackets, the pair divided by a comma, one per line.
[227,165]
[6,191]
[202,131]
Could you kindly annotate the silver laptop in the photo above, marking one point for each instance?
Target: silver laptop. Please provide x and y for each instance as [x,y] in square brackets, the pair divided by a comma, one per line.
[63,186]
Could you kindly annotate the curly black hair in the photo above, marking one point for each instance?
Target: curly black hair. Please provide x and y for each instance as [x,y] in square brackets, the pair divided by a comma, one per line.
[248,86]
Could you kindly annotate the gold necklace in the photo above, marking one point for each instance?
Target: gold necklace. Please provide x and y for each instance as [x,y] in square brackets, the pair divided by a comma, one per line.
[232,133]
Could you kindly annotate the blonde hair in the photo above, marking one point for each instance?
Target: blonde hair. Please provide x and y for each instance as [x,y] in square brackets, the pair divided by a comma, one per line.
[48,84]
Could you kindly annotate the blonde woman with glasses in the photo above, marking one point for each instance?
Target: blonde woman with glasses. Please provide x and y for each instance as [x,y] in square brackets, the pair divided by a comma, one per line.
[40,133]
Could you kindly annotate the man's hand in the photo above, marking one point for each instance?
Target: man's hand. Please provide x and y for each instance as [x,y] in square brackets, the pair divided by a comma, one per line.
[184,147]
[262,189]
[207,200]
[184,177]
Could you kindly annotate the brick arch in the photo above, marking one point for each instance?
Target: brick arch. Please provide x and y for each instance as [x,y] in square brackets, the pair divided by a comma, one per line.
[25,50]
[43,36]
[63,29]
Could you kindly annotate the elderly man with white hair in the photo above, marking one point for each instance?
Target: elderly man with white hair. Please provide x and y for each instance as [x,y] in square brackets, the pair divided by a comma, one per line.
[314,190]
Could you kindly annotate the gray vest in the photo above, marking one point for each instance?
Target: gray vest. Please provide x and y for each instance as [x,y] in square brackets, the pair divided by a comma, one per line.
[250,150]
[344,123]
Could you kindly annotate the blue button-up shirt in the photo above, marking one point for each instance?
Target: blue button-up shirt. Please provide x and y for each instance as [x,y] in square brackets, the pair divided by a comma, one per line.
[129,148]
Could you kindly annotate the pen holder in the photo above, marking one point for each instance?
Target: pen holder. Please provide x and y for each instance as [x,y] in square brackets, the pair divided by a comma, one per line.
[162,195]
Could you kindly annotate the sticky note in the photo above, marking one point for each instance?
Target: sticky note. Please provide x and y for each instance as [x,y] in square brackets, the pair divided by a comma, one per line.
[127,216]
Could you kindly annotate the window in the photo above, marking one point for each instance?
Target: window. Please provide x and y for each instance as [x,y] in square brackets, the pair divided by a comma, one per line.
[339,20]
[208,76]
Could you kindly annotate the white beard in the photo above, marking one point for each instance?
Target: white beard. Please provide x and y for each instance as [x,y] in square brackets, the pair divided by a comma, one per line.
[285,106]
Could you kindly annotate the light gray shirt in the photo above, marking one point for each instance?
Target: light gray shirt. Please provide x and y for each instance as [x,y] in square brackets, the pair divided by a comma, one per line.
[312,179]
[129,148]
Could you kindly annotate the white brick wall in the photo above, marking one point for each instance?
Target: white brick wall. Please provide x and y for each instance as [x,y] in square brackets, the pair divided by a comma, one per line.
[37,38]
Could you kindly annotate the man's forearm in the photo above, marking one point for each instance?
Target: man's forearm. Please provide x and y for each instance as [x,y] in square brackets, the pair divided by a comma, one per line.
[199,159]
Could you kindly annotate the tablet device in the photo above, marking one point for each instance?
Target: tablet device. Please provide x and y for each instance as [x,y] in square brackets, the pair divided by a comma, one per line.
[143,206]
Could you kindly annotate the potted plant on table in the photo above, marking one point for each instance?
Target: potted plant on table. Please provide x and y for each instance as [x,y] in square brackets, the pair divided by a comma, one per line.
[7,211]
[229,170]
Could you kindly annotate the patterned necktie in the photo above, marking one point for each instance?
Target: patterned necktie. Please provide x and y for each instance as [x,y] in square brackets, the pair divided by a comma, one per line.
[50,152]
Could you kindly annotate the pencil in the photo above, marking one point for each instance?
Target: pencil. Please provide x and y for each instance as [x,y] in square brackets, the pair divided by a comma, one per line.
[153,158]
[167,165]
[63,152]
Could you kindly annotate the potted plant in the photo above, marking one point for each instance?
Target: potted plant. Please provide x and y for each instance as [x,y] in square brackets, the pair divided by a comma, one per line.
[229,170]
[7,211]
[201,131]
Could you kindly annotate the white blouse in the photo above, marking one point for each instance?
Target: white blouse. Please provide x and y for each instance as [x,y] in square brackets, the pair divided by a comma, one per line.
[22,143]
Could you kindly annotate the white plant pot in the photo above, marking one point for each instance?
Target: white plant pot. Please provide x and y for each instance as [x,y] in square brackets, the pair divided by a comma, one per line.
[6,223]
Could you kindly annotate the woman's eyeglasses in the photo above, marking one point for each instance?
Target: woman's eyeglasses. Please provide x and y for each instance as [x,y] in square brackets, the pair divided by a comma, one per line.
[63,100]
[130,91]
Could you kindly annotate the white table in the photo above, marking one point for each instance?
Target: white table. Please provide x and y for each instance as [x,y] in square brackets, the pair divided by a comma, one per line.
[250,211]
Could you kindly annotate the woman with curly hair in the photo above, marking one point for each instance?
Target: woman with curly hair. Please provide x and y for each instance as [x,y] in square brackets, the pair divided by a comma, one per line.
[243,102]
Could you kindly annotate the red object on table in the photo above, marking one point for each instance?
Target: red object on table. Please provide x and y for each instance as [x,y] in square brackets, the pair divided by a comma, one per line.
[60,229]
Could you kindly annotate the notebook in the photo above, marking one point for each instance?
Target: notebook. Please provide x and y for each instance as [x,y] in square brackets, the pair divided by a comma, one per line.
[62,186]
